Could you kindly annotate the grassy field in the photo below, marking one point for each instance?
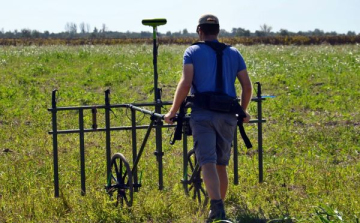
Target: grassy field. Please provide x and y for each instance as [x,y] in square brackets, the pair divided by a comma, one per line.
[311,138]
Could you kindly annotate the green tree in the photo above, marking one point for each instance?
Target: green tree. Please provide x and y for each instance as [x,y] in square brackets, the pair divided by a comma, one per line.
[318,32]
[35,34]
[266,29]
[46,34]
[71,28]
[224,33]
[240,32]
[82,28]
[259,33]
[26,33]
[351,33]
[284,32]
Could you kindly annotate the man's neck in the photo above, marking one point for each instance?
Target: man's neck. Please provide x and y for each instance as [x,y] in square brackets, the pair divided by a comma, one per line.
[209,38]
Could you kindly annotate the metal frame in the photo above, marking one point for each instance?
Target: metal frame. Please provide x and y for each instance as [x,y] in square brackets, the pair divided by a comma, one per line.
[155,123]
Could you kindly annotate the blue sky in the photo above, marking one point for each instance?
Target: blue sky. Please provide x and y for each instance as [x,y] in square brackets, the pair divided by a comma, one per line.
[52,15]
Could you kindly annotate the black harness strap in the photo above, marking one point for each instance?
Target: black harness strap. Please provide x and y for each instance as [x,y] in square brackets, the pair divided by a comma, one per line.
[241,115]
[179,124]
[218,48]
[243,134]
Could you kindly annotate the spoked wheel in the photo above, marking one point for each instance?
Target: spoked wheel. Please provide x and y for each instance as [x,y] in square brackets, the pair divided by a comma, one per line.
[194,186]
[120,182]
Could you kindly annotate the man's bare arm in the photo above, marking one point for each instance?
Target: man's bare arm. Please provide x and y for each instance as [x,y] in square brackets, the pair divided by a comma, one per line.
[246,86]
[246,92]
[182,91]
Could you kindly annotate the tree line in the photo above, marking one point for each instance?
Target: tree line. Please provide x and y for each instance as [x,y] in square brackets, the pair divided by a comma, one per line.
[83,30]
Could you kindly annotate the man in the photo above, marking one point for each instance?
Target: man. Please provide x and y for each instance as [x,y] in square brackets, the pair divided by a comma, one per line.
[213,131]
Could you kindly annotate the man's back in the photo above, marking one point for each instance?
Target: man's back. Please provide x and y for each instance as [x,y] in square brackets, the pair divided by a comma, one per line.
[203,58]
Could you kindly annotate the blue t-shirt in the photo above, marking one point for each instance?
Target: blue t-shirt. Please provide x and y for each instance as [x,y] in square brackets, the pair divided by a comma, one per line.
[204,61]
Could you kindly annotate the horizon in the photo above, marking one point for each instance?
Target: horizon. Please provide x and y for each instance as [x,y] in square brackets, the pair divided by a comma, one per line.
[329,16]
[181,31]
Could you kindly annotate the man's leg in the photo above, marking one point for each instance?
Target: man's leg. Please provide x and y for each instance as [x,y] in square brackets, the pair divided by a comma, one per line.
[225,129]
[211,180]
[223,179]
[216,180]
[212,184]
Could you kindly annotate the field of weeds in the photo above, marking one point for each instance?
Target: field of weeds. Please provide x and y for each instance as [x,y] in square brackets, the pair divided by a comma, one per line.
[311,137]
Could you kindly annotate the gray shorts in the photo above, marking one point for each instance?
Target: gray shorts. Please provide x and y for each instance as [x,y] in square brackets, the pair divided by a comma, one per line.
[213,134]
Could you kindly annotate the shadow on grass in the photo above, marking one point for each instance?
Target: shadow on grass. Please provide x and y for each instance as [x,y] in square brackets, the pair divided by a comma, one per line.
[240,213]
[248,218]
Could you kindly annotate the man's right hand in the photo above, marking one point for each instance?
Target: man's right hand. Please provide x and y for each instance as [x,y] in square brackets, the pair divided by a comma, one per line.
[247,119]
[168,118]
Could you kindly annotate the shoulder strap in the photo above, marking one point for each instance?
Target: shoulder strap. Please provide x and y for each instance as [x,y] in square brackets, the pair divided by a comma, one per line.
[218,48]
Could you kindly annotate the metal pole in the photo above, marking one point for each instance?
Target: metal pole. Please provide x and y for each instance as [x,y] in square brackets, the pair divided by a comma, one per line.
[107,131]
[134,148]
[82,151]
[155,53]
[55,144]
[260,143]
[159,152]
[185,162]
[143,145]
[158,129]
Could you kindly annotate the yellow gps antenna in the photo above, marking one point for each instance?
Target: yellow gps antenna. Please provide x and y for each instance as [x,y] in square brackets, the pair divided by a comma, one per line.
[154,23]
[157,94]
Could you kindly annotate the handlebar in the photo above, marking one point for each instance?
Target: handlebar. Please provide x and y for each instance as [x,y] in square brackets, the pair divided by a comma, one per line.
[153,114]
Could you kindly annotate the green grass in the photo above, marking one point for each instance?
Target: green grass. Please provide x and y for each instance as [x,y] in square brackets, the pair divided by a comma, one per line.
[311,138]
